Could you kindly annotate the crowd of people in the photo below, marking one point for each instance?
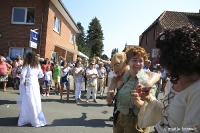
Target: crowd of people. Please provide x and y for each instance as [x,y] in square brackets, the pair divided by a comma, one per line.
[133,86]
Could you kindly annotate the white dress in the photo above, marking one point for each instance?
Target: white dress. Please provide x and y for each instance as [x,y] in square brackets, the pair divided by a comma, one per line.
[31,111]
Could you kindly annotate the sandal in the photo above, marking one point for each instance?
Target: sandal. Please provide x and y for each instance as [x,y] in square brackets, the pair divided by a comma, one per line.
[95,101]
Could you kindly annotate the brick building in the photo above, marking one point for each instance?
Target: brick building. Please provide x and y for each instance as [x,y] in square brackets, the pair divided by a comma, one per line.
[57,29]
[168,19]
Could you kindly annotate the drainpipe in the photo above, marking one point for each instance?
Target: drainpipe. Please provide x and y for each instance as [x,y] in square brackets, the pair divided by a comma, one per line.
[41,26]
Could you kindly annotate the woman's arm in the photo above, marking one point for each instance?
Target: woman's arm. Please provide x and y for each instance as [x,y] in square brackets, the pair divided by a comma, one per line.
[23,74]
[150,113]
[40,73]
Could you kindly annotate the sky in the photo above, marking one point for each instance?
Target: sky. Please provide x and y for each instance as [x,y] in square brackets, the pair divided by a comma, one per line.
[123,21]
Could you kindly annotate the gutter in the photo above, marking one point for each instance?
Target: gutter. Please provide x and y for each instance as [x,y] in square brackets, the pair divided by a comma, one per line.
[61,3]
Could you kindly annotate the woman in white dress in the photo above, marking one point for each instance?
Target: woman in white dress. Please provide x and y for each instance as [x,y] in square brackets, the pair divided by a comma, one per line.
[30,99]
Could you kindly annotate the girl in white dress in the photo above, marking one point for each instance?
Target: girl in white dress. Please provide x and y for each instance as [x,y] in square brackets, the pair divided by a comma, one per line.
[31,112]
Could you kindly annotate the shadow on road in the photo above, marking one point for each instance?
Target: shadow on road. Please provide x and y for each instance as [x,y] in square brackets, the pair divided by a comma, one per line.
[91,104]
[7,102]
[9,121]
[81,122]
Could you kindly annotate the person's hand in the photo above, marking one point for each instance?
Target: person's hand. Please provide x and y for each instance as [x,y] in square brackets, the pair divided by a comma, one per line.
[136,99]
[120,83]
[143,91]
[97,58]
[109,98]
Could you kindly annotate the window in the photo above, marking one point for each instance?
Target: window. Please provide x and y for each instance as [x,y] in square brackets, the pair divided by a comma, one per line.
[69,59]
[56,26]
[147,39]
[21,15]
[155,33]
[14,51]
[71,38]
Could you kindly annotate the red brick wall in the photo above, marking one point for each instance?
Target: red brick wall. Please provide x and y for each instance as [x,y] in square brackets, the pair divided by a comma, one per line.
[18,35]
[62,39]
[151,40]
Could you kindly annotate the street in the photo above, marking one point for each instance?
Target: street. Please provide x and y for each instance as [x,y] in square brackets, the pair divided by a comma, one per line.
[61,117]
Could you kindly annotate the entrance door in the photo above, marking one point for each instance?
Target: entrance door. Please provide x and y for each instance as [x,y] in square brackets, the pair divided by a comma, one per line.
[54,55]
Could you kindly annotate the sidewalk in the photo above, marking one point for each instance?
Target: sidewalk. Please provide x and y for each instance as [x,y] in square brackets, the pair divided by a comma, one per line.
[53,85]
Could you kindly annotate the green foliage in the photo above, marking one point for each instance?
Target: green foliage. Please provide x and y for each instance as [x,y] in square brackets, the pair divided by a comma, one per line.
[80,38]
[115,50]
[94,39]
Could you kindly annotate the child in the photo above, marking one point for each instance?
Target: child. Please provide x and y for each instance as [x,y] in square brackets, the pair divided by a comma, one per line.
[56,77]
[47,80]
[15,75]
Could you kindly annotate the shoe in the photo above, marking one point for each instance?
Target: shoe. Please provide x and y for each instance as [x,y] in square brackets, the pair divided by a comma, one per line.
[76,101]
[94,101]
[67,100]
[80,99]
[111,118]
[61,100]
[47,94]
[44,94]
[101,97]
[4,90]
[87,101]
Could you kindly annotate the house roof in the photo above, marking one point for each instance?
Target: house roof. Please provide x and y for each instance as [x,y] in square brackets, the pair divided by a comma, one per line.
[172,19]
[63,10]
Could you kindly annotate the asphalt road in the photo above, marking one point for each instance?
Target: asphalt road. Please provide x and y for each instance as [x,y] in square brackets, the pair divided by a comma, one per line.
[61,117]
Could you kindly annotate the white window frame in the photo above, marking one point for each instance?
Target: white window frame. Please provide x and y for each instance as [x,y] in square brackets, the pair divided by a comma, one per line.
[23,51]
[71,38]
[56,30]
[12,17]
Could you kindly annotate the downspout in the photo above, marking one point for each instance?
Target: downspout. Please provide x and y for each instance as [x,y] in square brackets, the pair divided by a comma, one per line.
[41,26]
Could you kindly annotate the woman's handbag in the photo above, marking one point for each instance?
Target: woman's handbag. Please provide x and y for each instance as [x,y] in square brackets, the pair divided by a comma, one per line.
[65,78]
[91,83]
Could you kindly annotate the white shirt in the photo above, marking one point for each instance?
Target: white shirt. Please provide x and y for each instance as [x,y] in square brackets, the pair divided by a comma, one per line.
[65,71]
[93,71]
[78,76]
[111,74]
[47,75]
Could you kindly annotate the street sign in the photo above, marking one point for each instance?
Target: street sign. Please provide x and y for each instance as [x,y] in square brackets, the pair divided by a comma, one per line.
[33,39]
[32,44]
[155,53]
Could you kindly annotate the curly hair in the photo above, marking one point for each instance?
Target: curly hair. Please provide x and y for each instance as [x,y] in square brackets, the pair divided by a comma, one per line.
[31,59]
[179,51]
[134,50]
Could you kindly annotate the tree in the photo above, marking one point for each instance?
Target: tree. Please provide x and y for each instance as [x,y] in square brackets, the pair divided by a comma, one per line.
[80,38]
[115,50]
[94,39]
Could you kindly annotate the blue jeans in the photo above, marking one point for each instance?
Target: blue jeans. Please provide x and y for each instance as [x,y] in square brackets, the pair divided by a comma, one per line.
[65,83]
[16,81]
